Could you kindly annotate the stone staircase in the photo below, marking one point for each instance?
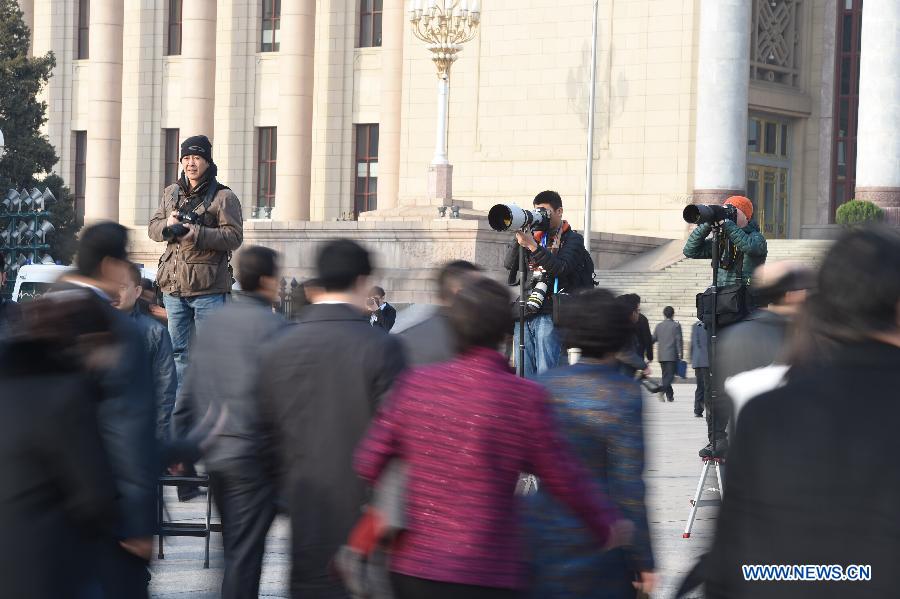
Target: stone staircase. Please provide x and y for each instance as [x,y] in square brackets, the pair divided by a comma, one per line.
[678,284]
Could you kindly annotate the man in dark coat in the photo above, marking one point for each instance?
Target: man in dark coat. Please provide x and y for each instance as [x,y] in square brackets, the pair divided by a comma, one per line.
[382,313]
[323,381]
[671,349]
[812,477]
[57,495]
[220,386]
[432,340]
[700,363]
[126,412]
[759,340]
[159,350]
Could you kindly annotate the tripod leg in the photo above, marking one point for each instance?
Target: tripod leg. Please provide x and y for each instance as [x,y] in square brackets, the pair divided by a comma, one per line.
[719,478]
[696,501]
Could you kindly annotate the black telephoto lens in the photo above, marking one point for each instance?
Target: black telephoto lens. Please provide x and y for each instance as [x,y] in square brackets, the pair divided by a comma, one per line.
[698,214]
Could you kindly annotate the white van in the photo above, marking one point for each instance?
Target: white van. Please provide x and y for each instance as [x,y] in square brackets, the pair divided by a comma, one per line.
[34,280]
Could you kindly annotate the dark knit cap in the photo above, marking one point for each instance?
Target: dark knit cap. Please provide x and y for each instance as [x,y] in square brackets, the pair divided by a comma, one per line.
[197,145]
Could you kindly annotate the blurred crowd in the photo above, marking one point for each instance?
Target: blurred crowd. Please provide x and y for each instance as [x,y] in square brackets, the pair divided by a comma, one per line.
[406,462]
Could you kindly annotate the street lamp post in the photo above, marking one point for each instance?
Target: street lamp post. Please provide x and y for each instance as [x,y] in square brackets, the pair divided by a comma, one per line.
[444,25]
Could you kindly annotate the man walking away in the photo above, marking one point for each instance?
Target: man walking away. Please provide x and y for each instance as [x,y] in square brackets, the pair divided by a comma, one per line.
[671,349]
[324,378]
[159,350]
[220,387]
[382,313]
[700,362]
[200,221]
[126,412]
[433,340]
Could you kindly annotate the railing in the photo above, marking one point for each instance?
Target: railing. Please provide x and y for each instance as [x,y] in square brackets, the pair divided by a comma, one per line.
[292,297]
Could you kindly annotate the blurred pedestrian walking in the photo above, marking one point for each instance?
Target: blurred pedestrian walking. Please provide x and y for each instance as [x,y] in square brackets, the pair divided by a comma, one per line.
[220,385]
[812,477]
[126,413]
[466,429]
[432,340]
[57,495]
[599,412]
[323,379]
[159,350]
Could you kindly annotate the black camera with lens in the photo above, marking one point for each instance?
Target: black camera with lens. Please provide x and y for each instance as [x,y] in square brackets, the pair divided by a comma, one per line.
[178,230]
[698,214]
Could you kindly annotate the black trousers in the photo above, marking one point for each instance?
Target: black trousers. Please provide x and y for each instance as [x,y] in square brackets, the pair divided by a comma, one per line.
[668,375]
[409,587]
[245,498]
[122,574]
[722,407]
[700,393]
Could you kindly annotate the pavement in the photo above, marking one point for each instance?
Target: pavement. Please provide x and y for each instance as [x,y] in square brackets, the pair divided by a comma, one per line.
[673,436]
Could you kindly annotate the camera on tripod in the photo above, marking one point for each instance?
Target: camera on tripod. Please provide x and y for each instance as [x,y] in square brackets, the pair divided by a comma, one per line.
[698,214]
[506,217]
[178,230]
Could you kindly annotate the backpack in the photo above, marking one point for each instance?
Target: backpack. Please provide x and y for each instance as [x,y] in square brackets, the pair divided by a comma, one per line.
[584,277]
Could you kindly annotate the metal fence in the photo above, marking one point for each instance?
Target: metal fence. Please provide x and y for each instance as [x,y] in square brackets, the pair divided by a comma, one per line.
[292,297]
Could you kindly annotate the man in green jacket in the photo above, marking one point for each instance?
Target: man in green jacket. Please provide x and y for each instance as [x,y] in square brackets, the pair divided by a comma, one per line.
[741,239]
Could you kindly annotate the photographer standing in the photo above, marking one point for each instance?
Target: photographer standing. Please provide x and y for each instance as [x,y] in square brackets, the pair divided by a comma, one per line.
[742,240]
[556,262]
[200,219]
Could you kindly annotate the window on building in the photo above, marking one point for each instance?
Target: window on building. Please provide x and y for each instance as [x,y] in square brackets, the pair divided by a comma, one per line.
[170,159]
[80,174]
[173,40]
[846,103]
[267,151]
[81,34]
[369,23]
[271,25]
[775,42]
[366,197]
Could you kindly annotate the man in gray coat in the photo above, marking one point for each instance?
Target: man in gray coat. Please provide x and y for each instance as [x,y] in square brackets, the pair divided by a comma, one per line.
[219,392]
[671,349]
[324,379]
[700,363]
[432,339]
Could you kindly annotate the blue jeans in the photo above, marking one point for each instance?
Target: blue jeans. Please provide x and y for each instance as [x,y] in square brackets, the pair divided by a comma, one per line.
[541,345]
[185,315]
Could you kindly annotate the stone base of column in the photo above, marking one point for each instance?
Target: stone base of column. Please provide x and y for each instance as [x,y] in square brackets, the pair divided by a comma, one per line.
[887,198]
[714,196]
[439,189]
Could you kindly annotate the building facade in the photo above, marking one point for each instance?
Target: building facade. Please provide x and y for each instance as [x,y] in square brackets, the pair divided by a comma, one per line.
[321,110]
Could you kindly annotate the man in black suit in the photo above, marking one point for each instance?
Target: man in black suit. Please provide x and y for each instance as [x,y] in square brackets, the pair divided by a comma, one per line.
[324,379]
[126,412]
[382,313]
[220,385]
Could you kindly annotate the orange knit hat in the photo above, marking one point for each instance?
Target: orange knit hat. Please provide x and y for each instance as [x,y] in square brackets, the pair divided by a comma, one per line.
[743,204]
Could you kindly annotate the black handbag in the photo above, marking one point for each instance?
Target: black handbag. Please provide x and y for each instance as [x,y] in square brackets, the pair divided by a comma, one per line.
[732,305]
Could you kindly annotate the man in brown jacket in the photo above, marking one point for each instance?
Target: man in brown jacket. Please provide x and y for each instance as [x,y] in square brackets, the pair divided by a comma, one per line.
[200,221]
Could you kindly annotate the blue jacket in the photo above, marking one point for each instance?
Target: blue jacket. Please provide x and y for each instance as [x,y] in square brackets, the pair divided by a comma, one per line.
[162,362]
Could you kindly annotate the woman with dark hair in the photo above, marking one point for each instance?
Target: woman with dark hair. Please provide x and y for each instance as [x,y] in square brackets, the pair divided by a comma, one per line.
[598,410]
[812,474]
[465,430]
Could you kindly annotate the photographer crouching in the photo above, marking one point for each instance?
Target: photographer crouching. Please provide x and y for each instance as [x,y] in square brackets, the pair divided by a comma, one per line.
[741,248]
[200,220]
[557,262]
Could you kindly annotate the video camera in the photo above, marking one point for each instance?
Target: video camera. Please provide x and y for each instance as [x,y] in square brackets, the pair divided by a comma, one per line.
[506,217]
[697,214]
[178,230]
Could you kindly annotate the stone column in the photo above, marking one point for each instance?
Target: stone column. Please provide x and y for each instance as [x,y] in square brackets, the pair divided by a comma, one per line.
[295,108]
[27,8]
[878,144]
[392,28]
[198,51]
[723,81]
[101,192]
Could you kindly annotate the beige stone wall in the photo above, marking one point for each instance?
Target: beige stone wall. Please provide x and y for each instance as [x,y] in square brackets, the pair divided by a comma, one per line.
[518,106]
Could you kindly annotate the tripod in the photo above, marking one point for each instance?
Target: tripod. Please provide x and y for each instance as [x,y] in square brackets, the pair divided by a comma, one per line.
[522,266]
[711,396]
